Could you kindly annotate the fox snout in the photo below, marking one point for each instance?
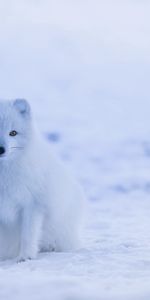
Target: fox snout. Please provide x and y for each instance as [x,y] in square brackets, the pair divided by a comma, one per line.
[2,150]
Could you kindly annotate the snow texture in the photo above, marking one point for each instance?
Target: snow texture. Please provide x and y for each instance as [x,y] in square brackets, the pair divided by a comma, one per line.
[85,67]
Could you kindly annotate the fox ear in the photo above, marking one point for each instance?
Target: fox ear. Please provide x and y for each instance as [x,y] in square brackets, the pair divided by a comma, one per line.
[23,107]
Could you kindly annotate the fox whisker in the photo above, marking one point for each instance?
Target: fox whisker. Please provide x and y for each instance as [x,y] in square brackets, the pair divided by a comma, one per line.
[17,148]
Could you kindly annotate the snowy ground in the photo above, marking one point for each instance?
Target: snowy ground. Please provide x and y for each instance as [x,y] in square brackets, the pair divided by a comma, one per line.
[115,260]
[85,67]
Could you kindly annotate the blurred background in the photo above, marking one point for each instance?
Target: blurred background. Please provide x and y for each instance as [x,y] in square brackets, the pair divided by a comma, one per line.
[83,61]
[84,65]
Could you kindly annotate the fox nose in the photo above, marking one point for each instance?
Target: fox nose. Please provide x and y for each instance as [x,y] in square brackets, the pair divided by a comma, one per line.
[2,150]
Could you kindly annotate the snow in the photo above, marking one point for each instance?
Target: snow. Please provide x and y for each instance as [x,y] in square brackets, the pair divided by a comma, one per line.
[84,66]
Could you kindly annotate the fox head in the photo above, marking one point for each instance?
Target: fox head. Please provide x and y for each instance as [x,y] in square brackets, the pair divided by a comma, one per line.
[15,127]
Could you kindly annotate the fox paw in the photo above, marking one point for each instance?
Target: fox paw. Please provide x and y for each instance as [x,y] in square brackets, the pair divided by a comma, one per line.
[24,258]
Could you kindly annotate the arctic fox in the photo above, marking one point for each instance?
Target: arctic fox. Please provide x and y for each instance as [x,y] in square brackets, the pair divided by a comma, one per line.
[40,206]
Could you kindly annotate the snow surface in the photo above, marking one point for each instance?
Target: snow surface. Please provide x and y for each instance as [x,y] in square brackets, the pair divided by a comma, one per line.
[85,67]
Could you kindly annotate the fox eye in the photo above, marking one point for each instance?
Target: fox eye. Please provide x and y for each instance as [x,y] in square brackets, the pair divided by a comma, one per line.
[13,133]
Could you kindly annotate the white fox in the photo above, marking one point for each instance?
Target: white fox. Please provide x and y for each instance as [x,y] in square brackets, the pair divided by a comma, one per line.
[40,205]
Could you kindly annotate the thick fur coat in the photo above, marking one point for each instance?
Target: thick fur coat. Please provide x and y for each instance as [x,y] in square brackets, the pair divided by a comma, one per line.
[40,205]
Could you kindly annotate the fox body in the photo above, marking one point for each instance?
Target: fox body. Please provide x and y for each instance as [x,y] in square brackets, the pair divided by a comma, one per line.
[40,205]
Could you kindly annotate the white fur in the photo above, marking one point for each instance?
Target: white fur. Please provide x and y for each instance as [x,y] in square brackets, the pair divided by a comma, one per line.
[40,206]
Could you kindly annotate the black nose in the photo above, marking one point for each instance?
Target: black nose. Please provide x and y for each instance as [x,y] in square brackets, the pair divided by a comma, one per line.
[2,150]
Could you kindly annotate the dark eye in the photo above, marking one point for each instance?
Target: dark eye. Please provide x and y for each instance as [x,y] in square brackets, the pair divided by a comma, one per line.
[13,133]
